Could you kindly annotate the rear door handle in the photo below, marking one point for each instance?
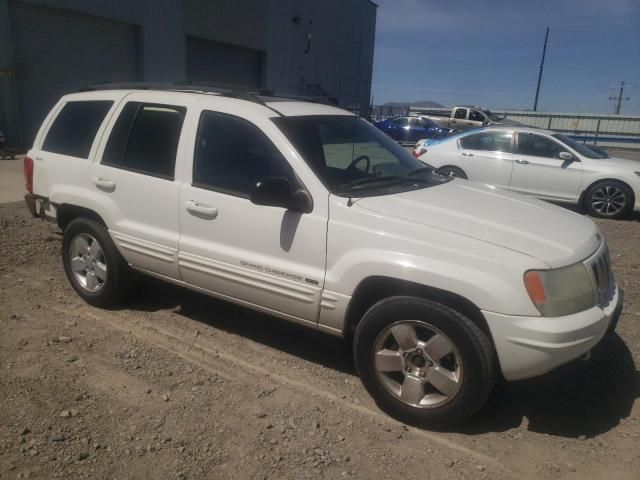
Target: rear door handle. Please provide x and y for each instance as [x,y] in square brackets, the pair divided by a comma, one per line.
[202,210]
[466,154]
[522,162]
[104,184]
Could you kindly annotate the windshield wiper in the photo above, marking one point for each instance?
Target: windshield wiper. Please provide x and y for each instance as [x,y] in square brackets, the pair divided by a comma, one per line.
[419,170]
[366,180]
[386,178]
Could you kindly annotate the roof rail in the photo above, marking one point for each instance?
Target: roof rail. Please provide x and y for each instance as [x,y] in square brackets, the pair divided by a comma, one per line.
[260,96]
[224,90]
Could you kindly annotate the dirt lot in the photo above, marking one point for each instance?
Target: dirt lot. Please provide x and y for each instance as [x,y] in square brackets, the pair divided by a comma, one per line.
[177,385]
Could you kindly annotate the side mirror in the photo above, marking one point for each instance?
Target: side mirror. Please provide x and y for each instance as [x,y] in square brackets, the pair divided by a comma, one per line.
[278,192]
[567,157]
[485,123]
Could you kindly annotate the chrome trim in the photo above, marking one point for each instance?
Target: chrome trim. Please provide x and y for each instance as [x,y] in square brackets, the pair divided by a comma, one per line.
[599,268]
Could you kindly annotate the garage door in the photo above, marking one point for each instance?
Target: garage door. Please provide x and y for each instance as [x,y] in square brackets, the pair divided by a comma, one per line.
[58,52]
[216,62]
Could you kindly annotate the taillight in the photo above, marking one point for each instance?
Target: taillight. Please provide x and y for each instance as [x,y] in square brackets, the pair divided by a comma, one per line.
[28,174]
[417,154]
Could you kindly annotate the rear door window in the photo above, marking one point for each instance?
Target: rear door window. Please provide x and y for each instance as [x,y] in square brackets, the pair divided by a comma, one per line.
[488,141]
[401,121]
[74,129]
[145,139]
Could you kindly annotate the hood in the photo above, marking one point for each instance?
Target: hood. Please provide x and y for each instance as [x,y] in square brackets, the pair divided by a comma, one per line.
[625,163]
[504,121]
[526,225]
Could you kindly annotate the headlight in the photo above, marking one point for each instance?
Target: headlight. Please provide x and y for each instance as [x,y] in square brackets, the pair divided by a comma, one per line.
[561,291]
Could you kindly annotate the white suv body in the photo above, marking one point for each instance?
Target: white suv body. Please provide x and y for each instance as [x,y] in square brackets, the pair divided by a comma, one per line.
[542,163]
[430,273]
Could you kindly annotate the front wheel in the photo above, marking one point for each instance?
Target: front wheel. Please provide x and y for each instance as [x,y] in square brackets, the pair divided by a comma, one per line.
[422,362]
[609,199]
[451,171]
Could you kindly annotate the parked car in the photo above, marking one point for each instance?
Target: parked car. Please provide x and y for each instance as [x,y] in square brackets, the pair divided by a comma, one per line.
[541,163]
[410,129]
[464,117]
[309,213]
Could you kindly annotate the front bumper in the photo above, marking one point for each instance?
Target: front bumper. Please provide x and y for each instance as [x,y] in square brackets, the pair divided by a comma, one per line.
[530,346]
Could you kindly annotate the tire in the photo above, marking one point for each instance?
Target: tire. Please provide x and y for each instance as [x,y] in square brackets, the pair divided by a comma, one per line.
[93,265]
[469,369]
[609,199]
[451,171]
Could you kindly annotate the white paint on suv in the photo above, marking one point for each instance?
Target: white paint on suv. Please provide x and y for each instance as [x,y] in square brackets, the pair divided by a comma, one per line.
[308,213]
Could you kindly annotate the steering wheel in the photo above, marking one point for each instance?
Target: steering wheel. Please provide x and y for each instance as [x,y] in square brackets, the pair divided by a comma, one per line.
[355,161]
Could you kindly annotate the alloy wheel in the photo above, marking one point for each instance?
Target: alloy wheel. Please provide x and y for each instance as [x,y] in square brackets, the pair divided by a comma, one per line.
[88,262]
[608,200]
[417,364]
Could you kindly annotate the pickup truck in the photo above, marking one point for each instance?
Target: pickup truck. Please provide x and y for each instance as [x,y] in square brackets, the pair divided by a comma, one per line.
[308,213]
[464,117]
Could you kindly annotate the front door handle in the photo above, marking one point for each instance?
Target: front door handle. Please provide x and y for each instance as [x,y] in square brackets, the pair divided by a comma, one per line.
[104,184]
[201,210]
[522,162]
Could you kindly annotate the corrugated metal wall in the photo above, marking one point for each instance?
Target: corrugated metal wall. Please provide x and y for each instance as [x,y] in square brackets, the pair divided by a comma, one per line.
[606,130]
[613,131]
[305,46]
[87,48]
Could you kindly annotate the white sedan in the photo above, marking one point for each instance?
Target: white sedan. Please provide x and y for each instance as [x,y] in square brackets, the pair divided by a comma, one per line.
[541,163]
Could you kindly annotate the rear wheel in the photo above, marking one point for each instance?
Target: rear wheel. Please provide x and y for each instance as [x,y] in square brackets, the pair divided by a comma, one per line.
[609,199]
[422,362]
[451,171]
[93,265]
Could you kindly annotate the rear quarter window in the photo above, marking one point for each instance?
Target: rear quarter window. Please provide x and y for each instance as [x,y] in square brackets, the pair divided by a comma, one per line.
[74,129]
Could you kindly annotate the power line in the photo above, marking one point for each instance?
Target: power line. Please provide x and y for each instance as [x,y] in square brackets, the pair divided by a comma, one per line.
[618,98]
[544,52]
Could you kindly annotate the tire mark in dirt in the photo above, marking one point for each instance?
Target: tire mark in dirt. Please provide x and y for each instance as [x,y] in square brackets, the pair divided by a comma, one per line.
[184,349]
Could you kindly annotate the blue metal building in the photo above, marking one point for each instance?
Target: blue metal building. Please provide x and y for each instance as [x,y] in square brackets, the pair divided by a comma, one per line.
[52,47]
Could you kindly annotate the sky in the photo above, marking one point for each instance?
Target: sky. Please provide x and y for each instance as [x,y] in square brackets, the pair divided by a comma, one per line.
[487,52]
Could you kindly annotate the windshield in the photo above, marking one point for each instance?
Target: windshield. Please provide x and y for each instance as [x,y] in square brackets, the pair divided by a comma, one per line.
[581,148]
[492,116]
[353,158]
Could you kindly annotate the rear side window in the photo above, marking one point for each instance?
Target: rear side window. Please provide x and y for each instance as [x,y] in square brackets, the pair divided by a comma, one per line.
[74,129]
[232,155]
[401,121]
[145,139]
[489,141]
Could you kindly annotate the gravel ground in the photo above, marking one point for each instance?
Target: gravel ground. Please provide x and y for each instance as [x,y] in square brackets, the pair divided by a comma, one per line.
[177,385]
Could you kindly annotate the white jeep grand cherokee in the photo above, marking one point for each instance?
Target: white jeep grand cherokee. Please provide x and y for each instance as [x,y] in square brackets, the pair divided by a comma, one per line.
[309,213]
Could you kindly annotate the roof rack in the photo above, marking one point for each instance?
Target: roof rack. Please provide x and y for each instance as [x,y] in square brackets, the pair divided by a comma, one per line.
[260,96]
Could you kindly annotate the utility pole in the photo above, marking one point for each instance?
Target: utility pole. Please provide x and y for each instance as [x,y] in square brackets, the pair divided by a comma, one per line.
[619,98]
[544,52]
